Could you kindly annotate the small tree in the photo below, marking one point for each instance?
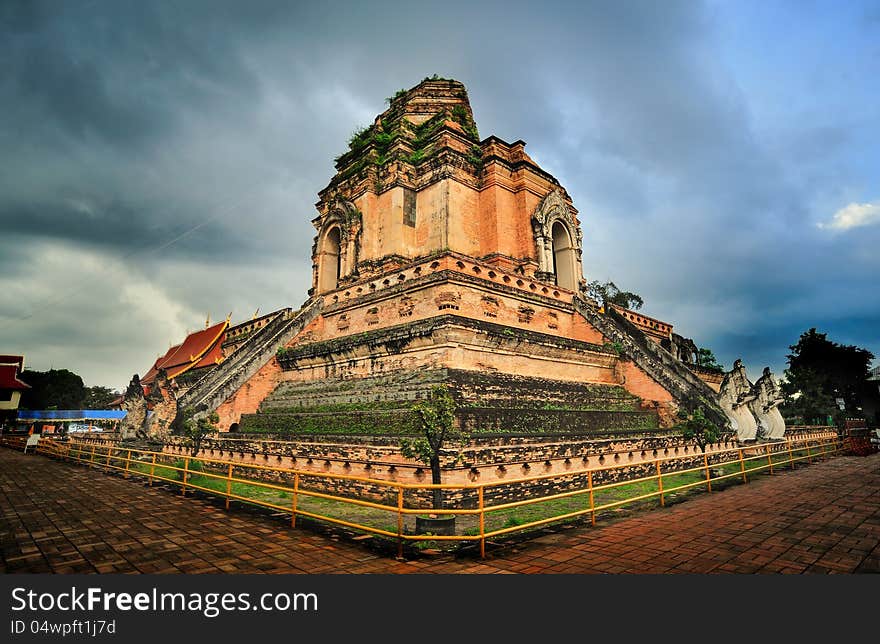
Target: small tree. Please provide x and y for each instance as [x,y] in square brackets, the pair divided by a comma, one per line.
[698,428]
[196,430]
[437,424]
[609,293]
[707,360]
[99,397]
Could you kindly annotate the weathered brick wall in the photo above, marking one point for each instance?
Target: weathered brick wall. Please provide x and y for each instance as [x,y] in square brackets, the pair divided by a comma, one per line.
[553,421]
[293,425]
[639,383]
[484,461]
[247,399]
[483,389]
[488,402]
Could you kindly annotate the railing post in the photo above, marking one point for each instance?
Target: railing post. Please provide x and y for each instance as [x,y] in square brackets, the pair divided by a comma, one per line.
[790,455]
[482,523]
[400,522]
[660,483]
[127,463]
[185,473]
[293,503]
[228,484]
[107,462]
[152,469]
[708,478]
[592,505]
[770,458]
[809,456]
[92,457]
[742,466]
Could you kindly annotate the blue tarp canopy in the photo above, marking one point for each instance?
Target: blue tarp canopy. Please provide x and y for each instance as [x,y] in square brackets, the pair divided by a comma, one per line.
[71,414]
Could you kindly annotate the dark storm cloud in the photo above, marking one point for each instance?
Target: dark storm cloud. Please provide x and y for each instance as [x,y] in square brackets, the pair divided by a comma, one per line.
[174,150]
[111,72]
[107,101]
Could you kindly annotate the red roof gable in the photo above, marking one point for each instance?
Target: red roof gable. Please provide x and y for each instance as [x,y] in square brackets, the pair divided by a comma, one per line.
[150,376]
[201,348]
[9,377]
[19,360]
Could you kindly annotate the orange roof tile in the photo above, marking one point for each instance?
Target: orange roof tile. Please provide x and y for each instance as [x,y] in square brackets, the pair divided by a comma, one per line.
[150,376]
[190,353]
[212,358]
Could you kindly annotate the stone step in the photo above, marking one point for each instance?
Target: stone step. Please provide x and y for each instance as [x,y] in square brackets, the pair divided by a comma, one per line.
[469,389]
[394,421]
[376,422]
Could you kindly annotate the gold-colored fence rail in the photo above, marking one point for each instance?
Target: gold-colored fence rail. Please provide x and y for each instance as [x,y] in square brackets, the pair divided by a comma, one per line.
[297,492]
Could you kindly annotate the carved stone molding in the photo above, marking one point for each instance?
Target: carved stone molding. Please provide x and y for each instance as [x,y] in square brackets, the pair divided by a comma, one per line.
[340,214]
[553,208]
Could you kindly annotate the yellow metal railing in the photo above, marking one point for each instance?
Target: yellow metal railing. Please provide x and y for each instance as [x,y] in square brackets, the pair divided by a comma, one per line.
[302,488]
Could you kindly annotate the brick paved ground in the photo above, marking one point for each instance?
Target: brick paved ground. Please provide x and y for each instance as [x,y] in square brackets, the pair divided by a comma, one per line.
[56,517]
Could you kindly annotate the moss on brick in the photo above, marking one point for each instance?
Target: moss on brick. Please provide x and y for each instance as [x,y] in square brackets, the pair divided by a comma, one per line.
[519,421]
[399,422]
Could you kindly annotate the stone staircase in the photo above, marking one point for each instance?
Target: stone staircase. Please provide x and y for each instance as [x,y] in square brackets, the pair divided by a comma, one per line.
[209,392]
[687,389]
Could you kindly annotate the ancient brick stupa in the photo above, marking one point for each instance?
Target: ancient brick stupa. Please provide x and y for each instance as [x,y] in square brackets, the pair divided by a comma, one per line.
[440,257]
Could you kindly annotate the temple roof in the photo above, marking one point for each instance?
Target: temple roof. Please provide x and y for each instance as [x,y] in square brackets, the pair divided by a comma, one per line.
[9,378]
[150,376]
[9,369]
[199,349]
[19,360]
[212,357]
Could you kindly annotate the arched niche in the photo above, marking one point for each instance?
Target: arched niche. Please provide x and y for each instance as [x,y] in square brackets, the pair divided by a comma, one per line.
[329,260]
[557,242]
[336,247]
[564,259]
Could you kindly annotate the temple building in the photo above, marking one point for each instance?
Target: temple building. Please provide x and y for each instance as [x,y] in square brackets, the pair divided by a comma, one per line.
[443,258]
[11,385]
[188,361]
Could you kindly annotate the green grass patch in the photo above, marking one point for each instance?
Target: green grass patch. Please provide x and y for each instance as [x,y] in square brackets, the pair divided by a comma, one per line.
[253,492]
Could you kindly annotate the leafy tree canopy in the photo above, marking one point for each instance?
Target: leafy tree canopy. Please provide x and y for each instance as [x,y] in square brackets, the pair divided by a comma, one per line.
[437,423]
[53,389]
[698,428]
[706,359]
[609,293]
[196,430]
[98,397]
[821,371]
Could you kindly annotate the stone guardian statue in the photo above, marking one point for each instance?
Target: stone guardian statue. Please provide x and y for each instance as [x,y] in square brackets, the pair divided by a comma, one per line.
[735,398]
[765,405]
